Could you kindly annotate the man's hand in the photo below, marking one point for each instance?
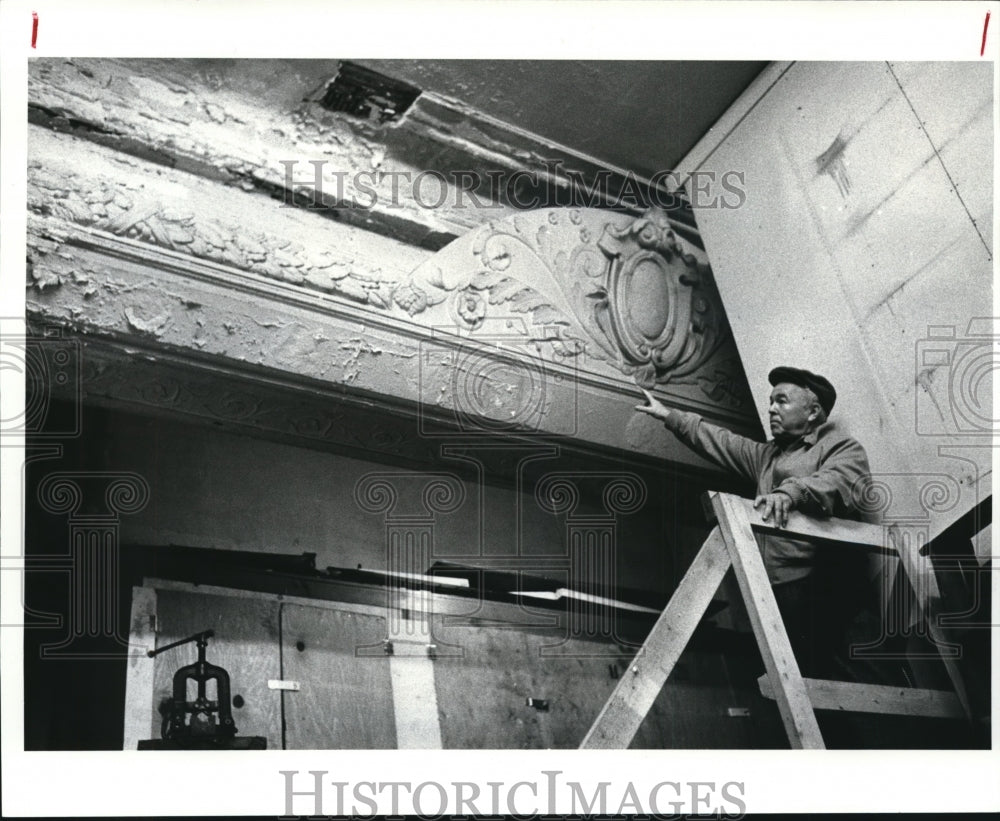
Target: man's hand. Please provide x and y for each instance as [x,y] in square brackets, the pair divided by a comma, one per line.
[655,408]
[777,503]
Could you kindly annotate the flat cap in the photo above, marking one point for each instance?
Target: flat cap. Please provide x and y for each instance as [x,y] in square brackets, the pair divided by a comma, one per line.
[819,385]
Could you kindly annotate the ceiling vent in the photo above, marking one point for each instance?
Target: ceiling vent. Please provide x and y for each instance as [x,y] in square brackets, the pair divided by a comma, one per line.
[368,95]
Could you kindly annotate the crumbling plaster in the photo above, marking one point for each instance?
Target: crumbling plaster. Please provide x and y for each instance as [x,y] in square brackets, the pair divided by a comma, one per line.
[153,221]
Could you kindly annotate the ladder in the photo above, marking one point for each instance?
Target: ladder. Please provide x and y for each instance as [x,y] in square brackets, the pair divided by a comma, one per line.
[731,544]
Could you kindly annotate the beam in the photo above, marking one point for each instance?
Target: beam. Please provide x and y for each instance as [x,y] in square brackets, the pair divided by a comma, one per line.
[920,572]
[875,698]
[839,531]
[779,661]
[140,711]
[622,715]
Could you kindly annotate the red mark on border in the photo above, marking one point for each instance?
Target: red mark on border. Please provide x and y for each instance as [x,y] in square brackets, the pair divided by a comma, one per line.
[34,28]
[986,25]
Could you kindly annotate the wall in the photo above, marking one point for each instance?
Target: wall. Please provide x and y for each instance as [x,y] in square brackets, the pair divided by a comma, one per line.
[476,693]
[867,228]
[195,280]
[162,217]
[211,488]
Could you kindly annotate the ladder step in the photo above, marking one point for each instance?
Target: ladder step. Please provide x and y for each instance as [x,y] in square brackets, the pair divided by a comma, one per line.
[875,698]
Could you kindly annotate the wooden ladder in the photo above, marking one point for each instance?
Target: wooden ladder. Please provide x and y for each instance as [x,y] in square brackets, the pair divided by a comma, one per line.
[732,543]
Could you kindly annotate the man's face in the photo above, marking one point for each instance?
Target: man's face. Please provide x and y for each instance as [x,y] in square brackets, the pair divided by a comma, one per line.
[791,411]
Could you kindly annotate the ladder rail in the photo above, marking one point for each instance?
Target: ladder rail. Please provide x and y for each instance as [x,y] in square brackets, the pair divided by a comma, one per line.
[843,532]
[633,696]
[796,710]
[732,543]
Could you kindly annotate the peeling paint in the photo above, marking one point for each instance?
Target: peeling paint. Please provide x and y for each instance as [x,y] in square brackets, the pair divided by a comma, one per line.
[215,112]
[153,326]
[114,286]
[212,131]
[44,278]
[204,221]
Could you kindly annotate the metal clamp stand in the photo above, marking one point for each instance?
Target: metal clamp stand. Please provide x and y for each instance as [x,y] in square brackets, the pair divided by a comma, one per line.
[201,718]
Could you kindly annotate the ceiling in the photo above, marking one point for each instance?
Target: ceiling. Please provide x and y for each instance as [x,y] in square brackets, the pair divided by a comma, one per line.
[643,116]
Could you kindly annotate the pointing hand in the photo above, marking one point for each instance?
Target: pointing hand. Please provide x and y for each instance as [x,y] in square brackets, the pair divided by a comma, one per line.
[655,408]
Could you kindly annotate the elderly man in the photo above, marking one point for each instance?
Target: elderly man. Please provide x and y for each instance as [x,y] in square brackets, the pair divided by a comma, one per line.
[807,466]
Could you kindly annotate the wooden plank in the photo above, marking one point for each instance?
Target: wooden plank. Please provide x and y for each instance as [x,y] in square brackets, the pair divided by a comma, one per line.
[875,698]
[345,700]
[373,600]
[619,720]
[414,703]
[239,593]
[779,661]
[920,573]
[245,644]
[411,669]
[918,569]
[141,718]
[839,531]
[414,697]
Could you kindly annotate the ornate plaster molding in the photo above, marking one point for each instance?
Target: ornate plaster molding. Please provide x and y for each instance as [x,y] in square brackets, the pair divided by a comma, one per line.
[607,291]
[595,294]
[585,296]
[72,182]
[149,382]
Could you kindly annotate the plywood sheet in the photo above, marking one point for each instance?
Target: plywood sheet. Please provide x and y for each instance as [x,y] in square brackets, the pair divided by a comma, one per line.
[345,698]
[692,710]
[482,693]
[482,697]
[576,683]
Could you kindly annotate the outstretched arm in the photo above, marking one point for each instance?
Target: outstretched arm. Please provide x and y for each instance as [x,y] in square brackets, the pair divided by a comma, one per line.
[727,449]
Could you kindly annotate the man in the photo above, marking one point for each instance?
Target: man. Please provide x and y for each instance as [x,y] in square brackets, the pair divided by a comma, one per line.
[807,466]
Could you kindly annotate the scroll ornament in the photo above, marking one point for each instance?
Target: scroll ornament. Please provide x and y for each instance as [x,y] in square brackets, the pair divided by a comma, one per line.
[593,285]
